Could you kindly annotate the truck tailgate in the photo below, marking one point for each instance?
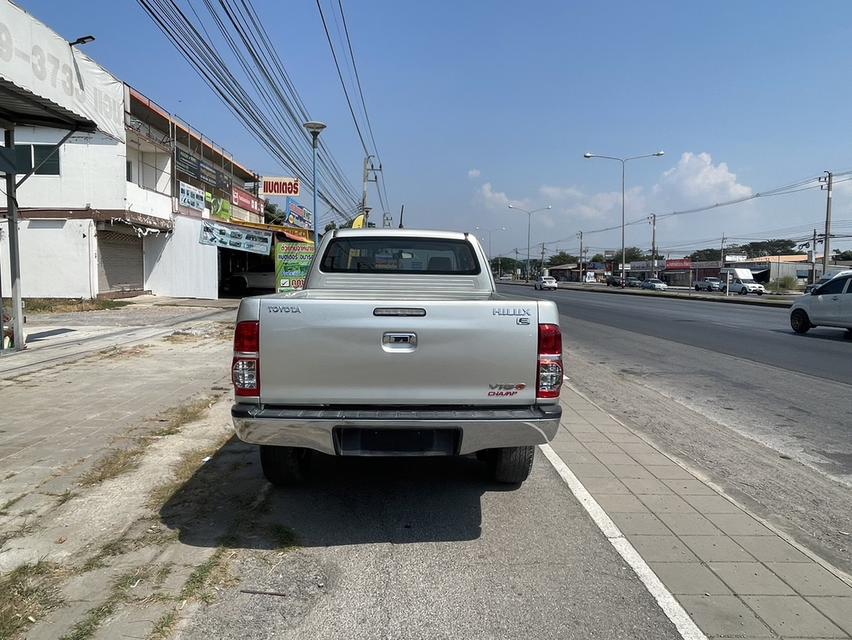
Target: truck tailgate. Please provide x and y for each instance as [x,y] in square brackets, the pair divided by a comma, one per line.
[365,352]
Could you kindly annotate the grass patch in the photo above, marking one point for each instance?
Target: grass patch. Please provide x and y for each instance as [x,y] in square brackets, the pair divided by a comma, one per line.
[177,417]
[30,591]
[284,537]
[120,594]
[163,627]
[182,472]
[124,352]
[209,573]
[115,463]
[65,305]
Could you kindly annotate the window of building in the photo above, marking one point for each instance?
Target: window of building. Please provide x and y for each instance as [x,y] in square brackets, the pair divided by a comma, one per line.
[129,171]
[33,155]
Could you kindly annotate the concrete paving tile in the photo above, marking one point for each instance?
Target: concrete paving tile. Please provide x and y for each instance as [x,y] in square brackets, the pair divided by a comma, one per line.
[615,503]
[647,486]
[614,458]
[651,459]
[771,549]
[712,504]
[810,579]
[750,578]
[565,442]
[622,436]
[689,487]
[597,486]
[720,615]
[738,524]
[838,610]
[666,503]
[576,457]
[716,549]
[639,524]
[596,470]
[576,428]
[630,471]
[604,447]
[590,436]
[793,616]
[669,471]
[688,524]
[661,548]
[689,578]
[638,447]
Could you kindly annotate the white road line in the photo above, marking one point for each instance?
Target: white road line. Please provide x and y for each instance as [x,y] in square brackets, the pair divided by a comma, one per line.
[671,607]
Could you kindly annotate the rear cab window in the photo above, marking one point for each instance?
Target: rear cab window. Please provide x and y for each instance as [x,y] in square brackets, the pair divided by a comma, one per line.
[399,254]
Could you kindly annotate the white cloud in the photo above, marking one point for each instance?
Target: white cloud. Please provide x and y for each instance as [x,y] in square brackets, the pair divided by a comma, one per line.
[696,180]
[497,200]
[474,173]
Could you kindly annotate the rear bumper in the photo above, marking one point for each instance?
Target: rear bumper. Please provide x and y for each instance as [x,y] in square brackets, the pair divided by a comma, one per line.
[314,427]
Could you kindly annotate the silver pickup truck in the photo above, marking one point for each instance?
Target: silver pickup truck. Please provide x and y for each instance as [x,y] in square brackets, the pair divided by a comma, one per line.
[399,345]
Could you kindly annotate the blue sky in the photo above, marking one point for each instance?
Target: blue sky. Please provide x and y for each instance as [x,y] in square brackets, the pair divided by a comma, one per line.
[477,104]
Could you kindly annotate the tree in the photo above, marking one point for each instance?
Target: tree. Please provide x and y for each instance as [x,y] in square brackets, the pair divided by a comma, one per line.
[506,265]
[272,213]
[598,257]
[633,254]
[705,255]
[330,226]
[561,258]
[842,255]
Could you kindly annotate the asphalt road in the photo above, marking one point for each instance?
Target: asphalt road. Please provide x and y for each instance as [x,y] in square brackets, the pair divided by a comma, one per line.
[731,390]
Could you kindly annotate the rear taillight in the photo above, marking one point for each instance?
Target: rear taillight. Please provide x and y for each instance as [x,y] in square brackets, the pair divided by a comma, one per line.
[549,375]
[245,368]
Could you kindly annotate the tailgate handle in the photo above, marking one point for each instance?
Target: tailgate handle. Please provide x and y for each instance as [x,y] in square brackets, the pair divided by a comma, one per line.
[399,341]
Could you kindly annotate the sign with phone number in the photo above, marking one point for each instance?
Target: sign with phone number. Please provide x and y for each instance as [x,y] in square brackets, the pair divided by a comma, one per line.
[292,261]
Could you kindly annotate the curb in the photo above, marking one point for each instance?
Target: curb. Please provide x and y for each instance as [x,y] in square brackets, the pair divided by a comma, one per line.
[780,304]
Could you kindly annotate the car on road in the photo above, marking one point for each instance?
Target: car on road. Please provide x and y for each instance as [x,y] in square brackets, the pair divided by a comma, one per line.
[397,346]
[741,281]
[708,284]
[546,282]
[633,282]
[825,278]
[829,305]
[257,277]
[505,276]
[655,284]
[614,281]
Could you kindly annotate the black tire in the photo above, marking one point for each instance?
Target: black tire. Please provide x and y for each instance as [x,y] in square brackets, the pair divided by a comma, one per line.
[697,288]
[237,285]
[743,291]
[849,334]
[512,465]
[284,466]
[760,293]
[799,321]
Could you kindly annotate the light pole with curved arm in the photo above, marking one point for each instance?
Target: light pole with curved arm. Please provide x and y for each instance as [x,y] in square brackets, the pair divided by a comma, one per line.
[529,225]
[623,161]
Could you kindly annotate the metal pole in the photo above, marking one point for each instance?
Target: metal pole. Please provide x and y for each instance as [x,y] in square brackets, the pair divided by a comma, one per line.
[527,263]
[826,254]
[581,257]
[364,193]
[654,245]
[315,135]
[623,251]
[813,259]
[14,250]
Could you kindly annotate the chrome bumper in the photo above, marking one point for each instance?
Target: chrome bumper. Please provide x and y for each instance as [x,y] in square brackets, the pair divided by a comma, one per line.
[313,428]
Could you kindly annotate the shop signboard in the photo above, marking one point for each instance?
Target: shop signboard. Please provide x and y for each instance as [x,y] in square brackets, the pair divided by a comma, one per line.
[219,207]
[244,200]
[194,167]
[188,164]
[736,258]
[297,215]
[191,197]
[678,263]
[237,238]
[276,186]
[292,261]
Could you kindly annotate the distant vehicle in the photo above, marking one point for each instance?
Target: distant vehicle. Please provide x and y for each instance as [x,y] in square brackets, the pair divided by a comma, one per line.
[634,282]
[258,277]
[546,282]
[742,282]
[829,305]
[654,284]
[708,284]
[825,278]
[614,281]
[505,276]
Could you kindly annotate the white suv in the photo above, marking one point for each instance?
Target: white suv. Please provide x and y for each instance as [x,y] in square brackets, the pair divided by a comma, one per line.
[829,305]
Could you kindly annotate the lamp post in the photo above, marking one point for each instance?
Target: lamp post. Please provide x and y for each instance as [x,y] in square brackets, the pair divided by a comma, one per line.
[489,232]
[623,161]
[529,225]
[315,128]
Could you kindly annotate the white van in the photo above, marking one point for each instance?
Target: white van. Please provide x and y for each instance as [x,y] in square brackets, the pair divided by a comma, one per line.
[740,281]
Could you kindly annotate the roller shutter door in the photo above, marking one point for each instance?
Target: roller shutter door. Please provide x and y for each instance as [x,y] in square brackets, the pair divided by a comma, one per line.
[120,266]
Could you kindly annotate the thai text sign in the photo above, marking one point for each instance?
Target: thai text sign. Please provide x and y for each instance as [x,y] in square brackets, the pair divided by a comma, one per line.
[679,263]
[219,207]
[245,200]
[237,238]
[292,261]
[191,197]
[296,214]
[280,187]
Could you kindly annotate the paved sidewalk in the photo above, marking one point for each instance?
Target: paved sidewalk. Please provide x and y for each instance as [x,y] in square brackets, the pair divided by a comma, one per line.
[735,577]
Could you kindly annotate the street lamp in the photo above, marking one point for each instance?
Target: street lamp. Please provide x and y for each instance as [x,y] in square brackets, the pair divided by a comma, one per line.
[529,224]
[489,231]
[623,161]
[315,128]
[82,40]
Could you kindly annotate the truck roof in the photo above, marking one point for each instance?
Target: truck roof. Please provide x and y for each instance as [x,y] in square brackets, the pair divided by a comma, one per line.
[417,233]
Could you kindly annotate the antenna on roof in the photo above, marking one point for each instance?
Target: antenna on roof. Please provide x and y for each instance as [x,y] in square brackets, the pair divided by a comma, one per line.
[401,211]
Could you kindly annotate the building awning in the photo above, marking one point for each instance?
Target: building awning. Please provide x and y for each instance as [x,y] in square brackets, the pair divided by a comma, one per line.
[297,234]
[22,107]
[98,215]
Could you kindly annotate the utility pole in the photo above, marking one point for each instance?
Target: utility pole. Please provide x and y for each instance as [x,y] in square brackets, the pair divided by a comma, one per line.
[580,235]
[826,246]
[722,265]
[541,264]
[813,258]
[364,209]
[14,250]
[654,244]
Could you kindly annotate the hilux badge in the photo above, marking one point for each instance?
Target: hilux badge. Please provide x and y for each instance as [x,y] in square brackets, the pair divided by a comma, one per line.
[504,311]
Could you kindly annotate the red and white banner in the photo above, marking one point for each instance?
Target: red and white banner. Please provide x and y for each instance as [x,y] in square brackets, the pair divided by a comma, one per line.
[679,263]
[244,200]
[271,186]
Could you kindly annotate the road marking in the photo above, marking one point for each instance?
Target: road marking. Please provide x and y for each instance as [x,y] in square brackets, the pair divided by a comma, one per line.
[685,626]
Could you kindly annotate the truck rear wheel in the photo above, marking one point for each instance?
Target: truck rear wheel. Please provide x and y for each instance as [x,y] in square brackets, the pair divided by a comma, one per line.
[284,466]
[512,465]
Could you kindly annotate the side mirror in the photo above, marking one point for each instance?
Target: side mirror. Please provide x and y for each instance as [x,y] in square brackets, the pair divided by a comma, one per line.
[815,290]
